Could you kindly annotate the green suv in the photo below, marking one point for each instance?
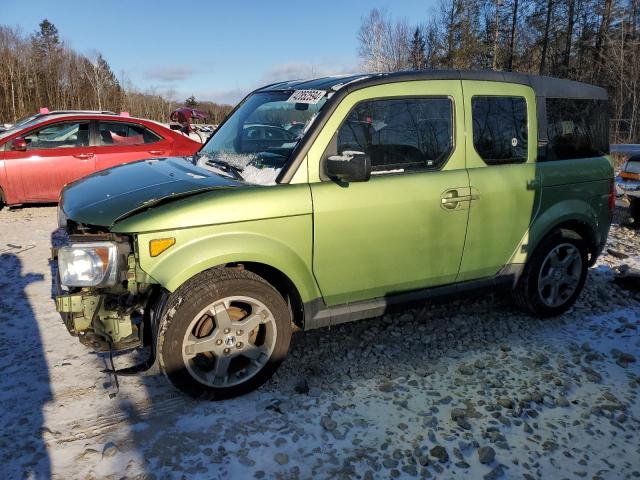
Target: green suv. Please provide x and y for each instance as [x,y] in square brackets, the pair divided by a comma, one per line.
[325,201]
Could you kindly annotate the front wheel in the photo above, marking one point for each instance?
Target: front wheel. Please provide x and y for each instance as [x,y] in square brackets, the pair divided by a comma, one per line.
[224,333]
[554,275]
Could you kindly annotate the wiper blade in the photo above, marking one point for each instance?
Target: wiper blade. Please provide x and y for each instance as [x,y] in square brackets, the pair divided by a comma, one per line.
[223,165]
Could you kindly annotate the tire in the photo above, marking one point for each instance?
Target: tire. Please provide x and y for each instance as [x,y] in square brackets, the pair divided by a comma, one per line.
[534,291]
[223,334]
[634,211]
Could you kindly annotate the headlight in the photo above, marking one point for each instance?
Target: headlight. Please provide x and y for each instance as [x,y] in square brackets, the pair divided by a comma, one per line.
[88,264]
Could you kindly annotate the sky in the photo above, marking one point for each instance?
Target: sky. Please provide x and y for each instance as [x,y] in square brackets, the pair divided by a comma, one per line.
[214,50]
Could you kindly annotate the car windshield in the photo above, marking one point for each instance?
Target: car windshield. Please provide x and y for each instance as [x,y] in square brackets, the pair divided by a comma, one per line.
[256,141]
[22,124]
[632,166]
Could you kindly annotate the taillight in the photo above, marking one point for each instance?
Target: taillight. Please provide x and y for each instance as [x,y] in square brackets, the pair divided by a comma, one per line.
[612,196]
[630,176]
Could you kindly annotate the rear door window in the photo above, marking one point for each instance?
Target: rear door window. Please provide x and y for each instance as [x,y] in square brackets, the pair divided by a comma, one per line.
[500,129]
[123,134]
[59,135]
[400,135]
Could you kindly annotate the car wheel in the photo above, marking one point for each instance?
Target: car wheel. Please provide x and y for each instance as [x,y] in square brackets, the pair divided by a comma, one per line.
[554,275]
[223,334]
[634,211]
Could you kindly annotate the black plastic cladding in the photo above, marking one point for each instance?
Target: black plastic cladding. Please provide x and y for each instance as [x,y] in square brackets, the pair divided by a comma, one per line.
[543,87]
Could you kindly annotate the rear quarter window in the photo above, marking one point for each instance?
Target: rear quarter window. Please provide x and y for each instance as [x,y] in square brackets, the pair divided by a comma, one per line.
[577,128]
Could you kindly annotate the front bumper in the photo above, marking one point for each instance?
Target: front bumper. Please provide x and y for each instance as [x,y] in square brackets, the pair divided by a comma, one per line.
[104,318]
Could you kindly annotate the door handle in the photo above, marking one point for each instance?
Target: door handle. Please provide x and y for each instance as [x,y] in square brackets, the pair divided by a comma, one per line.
[84,156]
[156,152]
[453,199]
[461,198]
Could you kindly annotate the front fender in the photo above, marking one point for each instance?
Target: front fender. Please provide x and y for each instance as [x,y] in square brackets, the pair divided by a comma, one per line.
[282,243]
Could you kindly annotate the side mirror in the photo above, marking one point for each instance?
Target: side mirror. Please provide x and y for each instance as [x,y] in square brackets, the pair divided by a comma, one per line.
[351,166]
[19,144]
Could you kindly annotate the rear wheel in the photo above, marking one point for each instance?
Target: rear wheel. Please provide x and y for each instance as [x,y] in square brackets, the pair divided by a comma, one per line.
[225,333]
[554,275]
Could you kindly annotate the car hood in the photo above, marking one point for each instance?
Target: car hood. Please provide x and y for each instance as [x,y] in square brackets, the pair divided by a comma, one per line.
[107,196]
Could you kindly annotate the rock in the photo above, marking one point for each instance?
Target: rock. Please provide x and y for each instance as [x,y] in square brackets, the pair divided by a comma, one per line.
[410,470]
[282,458]
[457,413]
[110,449]
[505,402]
[302,387]
[592,375]
[463,423]
[440,453]
[328,424]
[540,359]
[466,369]
[462,464]
[486,455]
[386,387]
[603,293]
[389,463]
[617,253]
[495,473]
[549,446]
[624,359]
[562,401]
[423,460]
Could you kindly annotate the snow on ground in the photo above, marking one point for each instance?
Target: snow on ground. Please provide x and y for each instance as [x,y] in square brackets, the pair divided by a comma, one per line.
[412,394]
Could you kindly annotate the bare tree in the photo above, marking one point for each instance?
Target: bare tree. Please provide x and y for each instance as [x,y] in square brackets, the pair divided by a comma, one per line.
[384,45]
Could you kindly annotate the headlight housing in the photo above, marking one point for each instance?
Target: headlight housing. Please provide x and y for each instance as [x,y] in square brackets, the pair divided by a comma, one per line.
[88,264]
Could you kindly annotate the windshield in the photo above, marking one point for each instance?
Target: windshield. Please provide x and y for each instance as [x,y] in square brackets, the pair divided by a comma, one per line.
[255,143]
[22,124]
[632,166]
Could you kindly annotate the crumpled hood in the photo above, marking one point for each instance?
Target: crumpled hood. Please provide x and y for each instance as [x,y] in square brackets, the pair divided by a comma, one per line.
[109,195]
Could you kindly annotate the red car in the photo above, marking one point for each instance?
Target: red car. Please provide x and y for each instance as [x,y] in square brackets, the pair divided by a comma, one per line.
[38,158]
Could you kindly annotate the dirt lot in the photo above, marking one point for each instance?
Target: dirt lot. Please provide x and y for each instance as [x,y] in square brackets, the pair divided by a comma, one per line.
[418,393]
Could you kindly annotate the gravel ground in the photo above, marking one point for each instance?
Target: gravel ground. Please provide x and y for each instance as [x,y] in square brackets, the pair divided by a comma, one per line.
[468,389]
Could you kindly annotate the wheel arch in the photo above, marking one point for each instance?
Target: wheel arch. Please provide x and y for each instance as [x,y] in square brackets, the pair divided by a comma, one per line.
[574,215]
[282,283]
[285,266]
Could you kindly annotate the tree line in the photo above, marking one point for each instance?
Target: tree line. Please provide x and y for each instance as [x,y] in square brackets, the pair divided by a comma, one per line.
[593,41]
[40,70]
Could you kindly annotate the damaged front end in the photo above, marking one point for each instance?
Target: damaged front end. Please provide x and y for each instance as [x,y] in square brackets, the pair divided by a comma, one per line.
[101,293]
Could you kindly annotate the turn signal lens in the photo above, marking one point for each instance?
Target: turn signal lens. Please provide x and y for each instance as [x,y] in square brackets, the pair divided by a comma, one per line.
[159,245]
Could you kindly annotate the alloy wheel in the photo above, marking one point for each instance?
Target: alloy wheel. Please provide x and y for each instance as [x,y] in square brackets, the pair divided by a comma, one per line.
[560,274]
[229,341]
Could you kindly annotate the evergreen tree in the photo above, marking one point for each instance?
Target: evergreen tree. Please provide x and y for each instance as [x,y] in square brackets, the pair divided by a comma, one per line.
[417,58]
[47,37]
[191,102]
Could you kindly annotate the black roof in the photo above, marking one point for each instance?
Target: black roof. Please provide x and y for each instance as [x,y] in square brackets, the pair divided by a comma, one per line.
[542,86]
